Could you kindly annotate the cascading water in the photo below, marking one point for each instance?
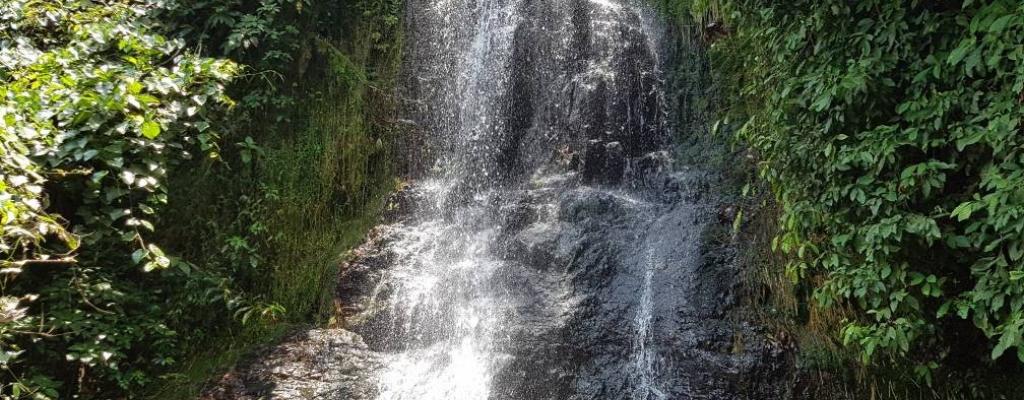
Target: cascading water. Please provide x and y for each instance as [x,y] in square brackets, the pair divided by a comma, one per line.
[547,253]
[552,251]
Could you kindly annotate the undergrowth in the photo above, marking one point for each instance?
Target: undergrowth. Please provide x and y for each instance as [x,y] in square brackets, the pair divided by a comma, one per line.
[875,154]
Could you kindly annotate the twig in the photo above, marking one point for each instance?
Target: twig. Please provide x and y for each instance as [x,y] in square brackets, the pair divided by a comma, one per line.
[23,263]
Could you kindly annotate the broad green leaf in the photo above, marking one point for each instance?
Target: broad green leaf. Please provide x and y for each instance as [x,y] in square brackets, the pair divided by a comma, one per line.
[1000,24]
[150,129]
[960,52]
[1006,340]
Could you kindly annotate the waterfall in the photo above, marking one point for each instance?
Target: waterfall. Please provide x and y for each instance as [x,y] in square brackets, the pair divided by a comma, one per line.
[553,250]
[551,247]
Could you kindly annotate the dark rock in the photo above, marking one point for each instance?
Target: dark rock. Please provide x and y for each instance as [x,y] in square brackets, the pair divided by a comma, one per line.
[615,162]
[592,169]
[604,163]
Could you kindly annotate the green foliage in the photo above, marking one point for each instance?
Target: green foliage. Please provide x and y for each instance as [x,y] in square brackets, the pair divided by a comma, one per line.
[95,106]
[891,135]
[303,181]
[144,213]
[264,35]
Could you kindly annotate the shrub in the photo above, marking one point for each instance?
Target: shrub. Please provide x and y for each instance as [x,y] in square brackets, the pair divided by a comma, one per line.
[891,135]
[95,106]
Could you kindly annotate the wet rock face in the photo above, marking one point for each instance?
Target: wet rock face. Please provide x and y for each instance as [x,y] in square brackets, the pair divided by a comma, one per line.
[614,293]
[599,56]
[644,301]
[313,364]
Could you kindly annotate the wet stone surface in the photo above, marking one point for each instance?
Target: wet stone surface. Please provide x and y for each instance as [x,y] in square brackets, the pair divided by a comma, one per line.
[317,364]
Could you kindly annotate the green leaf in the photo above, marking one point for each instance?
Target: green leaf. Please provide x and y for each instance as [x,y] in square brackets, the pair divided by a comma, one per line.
[7,356]
[737,222]
[960,52]
[1016,251]
[148,99]
[1005,342]
[155,250]
[963,211]
[134,87]
[150,129]
[138,255]
[1000,24]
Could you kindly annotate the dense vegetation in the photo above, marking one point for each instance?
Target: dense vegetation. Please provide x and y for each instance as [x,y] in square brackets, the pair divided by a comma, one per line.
[890,134]
[167,180]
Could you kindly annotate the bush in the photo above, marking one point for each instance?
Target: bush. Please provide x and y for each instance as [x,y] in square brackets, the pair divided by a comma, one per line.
[95,106]
[891,135]
[130,238]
